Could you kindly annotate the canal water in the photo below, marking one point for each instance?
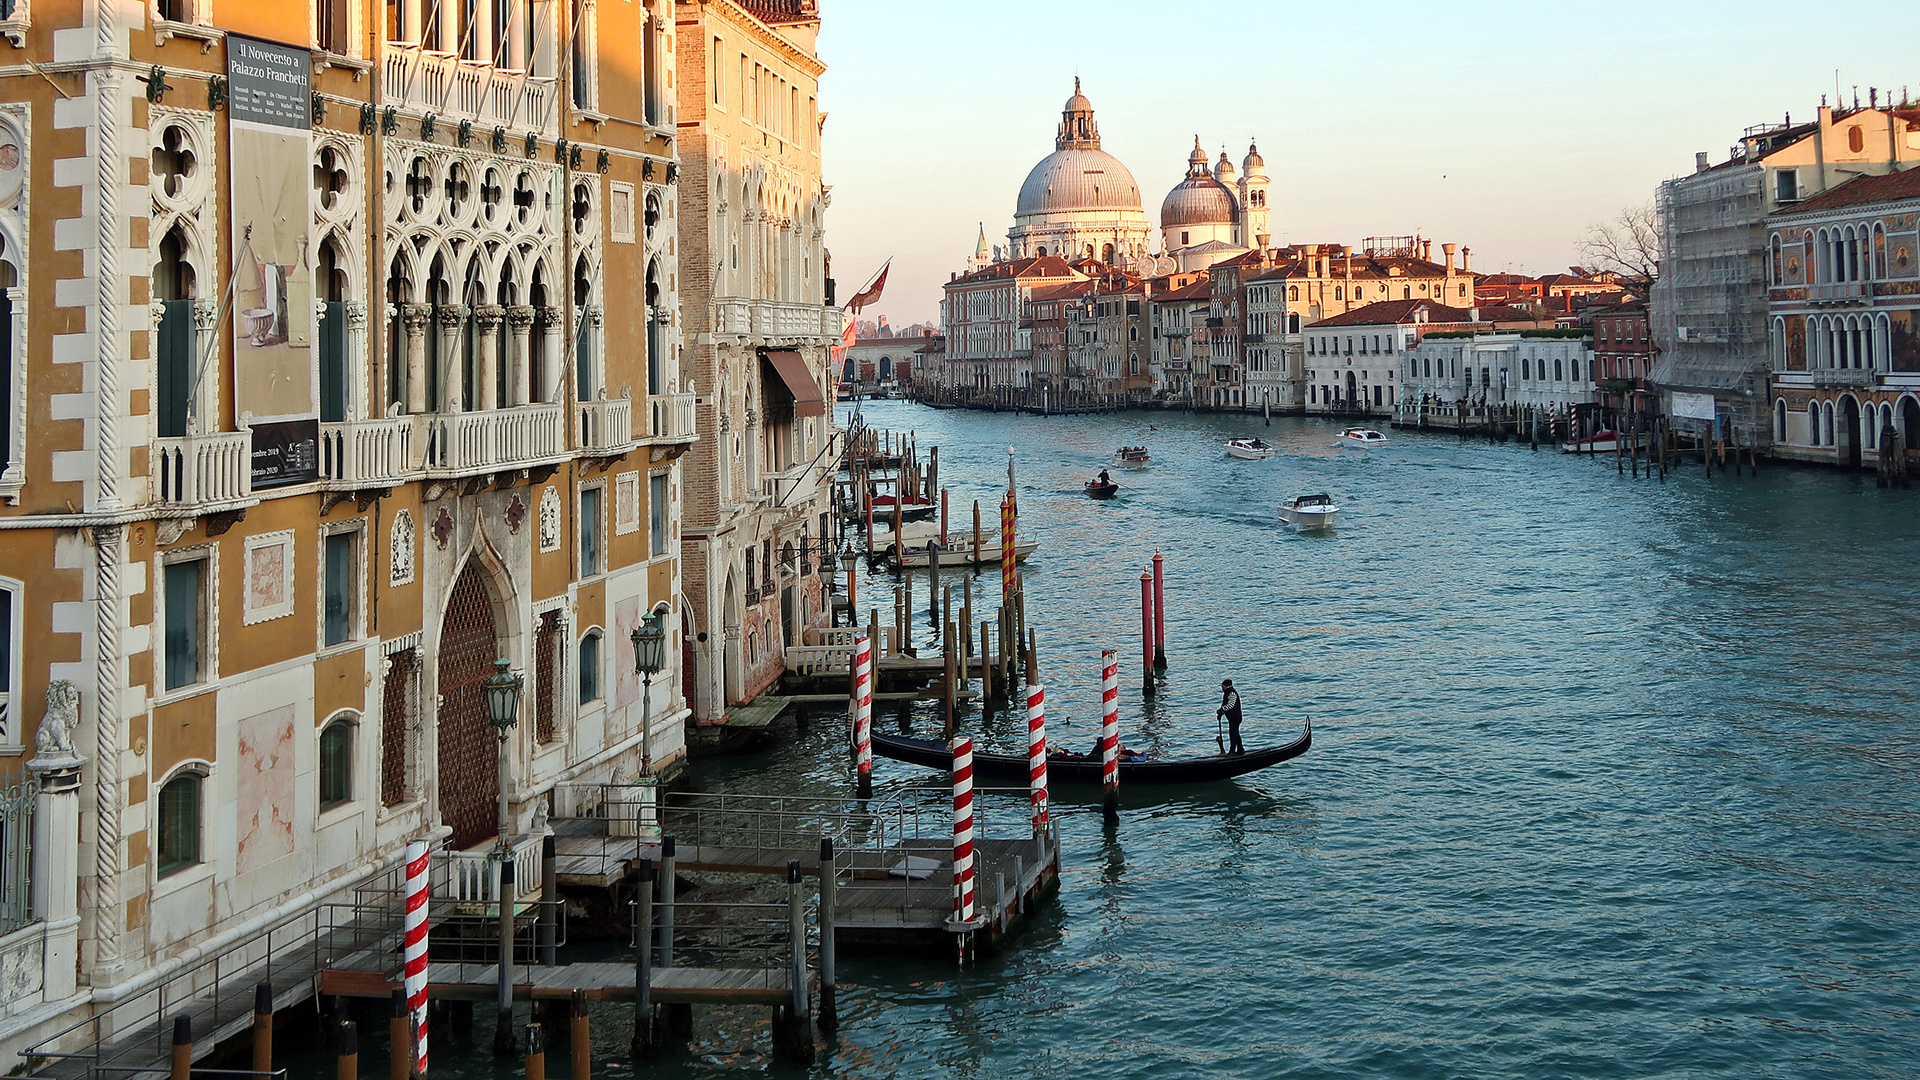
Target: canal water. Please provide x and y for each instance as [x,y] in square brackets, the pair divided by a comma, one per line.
[1610,777]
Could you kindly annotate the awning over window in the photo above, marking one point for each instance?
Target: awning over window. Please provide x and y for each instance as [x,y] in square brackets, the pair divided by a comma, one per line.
[807,399]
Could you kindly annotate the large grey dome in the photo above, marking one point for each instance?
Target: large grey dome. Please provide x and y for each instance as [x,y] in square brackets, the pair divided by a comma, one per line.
[1078,178]
[1199,200]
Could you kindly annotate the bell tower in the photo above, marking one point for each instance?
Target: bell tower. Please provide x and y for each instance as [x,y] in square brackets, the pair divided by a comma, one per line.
[1253,199]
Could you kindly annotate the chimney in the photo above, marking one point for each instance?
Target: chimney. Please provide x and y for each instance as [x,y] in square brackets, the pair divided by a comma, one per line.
[1700,161]
[1473,314]
[1466,259]
[1426,250]
[1449,249]
[1260,240]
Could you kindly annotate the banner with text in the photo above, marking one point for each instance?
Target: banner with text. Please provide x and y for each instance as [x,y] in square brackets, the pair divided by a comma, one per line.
[1693,406]
[275,374]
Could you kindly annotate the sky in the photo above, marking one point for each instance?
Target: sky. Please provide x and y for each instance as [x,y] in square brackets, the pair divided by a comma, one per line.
[1507,128]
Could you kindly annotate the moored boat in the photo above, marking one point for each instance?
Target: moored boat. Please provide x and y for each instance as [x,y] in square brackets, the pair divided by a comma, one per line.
[1011,769]
[1251,449]
[1361,437]
[1600,442]
[961,554]
[1308,511]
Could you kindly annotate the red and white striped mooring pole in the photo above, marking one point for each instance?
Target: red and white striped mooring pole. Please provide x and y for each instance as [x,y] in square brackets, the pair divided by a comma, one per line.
[1037,755]
[1110,734]
[962,749]
[863,715]
[415,955]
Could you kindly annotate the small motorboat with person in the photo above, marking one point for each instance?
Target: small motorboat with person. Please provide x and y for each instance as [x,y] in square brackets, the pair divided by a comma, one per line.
[1308,511]
[1132,457]
[1065,768]
[1101,487]
[1251,449]
[1363,438]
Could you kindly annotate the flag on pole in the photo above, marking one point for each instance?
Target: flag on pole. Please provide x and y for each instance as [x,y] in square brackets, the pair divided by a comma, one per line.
[872,292]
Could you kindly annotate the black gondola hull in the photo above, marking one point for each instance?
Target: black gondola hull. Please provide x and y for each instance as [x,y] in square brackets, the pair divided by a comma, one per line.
[1006,769]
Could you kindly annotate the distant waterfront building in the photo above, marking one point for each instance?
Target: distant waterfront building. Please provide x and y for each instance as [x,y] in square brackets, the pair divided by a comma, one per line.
[1843,272]
[1355,362]
[1622,356]
[1709,308]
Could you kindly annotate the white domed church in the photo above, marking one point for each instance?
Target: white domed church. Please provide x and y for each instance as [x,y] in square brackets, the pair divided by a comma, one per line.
[1079,202]
[1213,213]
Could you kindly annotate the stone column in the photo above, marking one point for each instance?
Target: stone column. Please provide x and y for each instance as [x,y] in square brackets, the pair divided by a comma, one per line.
[553,357]
[363,404]
[453,317]
[486,319]
[520,319]
[596,318]
[56,840]
[415,318]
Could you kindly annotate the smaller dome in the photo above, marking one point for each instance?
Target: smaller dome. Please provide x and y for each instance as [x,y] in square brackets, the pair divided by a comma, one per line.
[1196,159]
[1078,102]
[1198,200]
[1253,160]
[1223,169]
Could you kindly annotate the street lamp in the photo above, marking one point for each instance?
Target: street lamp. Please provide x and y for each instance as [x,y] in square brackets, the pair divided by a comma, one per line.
[503,709]
[649,657]
[502,689]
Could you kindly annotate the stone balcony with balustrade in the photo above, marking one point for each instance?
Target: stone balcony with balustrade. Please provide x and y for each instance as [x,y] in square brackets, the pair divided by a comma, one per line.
[603,428]
[492,440]
[356,455]
[208,471]
[778,320]
[427,81]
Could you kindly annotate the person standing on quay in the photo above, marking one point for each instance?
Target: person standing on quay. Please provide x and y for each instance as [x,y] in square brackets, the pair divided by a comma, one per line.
[1230,708]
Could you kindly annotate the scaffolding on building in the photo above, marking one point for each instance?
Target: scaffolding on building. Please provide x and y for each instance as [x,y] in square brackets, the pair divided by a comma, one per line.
[1709,309]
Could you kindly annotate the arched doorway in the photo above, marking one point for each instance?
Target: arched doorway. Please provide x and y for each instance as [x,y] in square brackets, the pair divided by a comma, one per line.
[1352,390]
[1910,422]
[468,753]
[727,649]
[1850,432]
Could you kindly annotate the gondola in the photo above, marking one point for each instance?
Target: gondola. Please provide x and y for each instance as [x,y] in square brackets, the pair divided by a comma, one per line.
[1012,770]
[1098,490]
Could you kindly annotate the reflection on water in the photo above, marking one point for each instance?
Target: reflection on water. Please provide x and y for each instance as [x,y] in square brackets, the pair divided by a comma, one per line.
[1610,777]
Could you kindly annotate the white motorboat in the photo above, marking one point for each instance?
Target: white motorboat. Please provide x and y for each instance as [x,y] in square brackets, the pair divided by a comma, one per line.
[1251,449]
[1132,457]
[1308,511]
[1361,437]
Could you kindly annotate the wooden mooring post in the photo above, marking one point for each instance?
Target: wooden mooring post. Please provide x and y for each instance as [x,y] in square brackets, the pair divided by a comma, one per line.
[504,1044]
[182,1060]
[263,1027]
[580,1037]
[792,1027]
[399,1035]
[643,1033]
[536,1053]
[829,1016]
[346,1051]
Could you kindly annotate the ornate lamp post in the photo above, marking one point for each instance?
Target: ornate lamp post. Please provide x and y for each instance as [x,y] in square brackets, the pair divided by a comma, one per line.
[649,657]
[503,709]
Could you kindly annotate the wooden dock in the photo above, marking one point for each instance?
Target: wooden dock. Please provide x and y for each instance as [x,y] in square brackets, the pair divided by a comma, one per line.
[600,980]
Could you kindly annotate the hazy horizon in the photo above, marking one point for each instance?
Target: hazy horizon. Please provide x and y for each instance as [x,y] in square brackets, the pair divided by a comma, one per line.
[1403,119]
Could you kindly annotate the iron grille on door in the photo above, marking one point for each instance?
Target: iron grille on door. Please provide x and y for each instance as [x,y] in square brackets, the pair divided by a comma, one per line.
[468,757]
[397,695]
[547,667]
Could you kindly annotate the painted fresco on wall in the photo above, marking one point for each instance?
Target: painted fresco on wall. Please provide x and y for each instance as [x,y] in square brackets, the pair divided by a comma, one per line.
[266,789]
[1903,340]
[1796,343]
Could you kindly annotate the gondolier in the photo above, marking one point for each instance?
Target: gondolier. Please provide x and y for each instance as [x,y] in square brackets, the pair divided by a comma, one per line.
[1230,708]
